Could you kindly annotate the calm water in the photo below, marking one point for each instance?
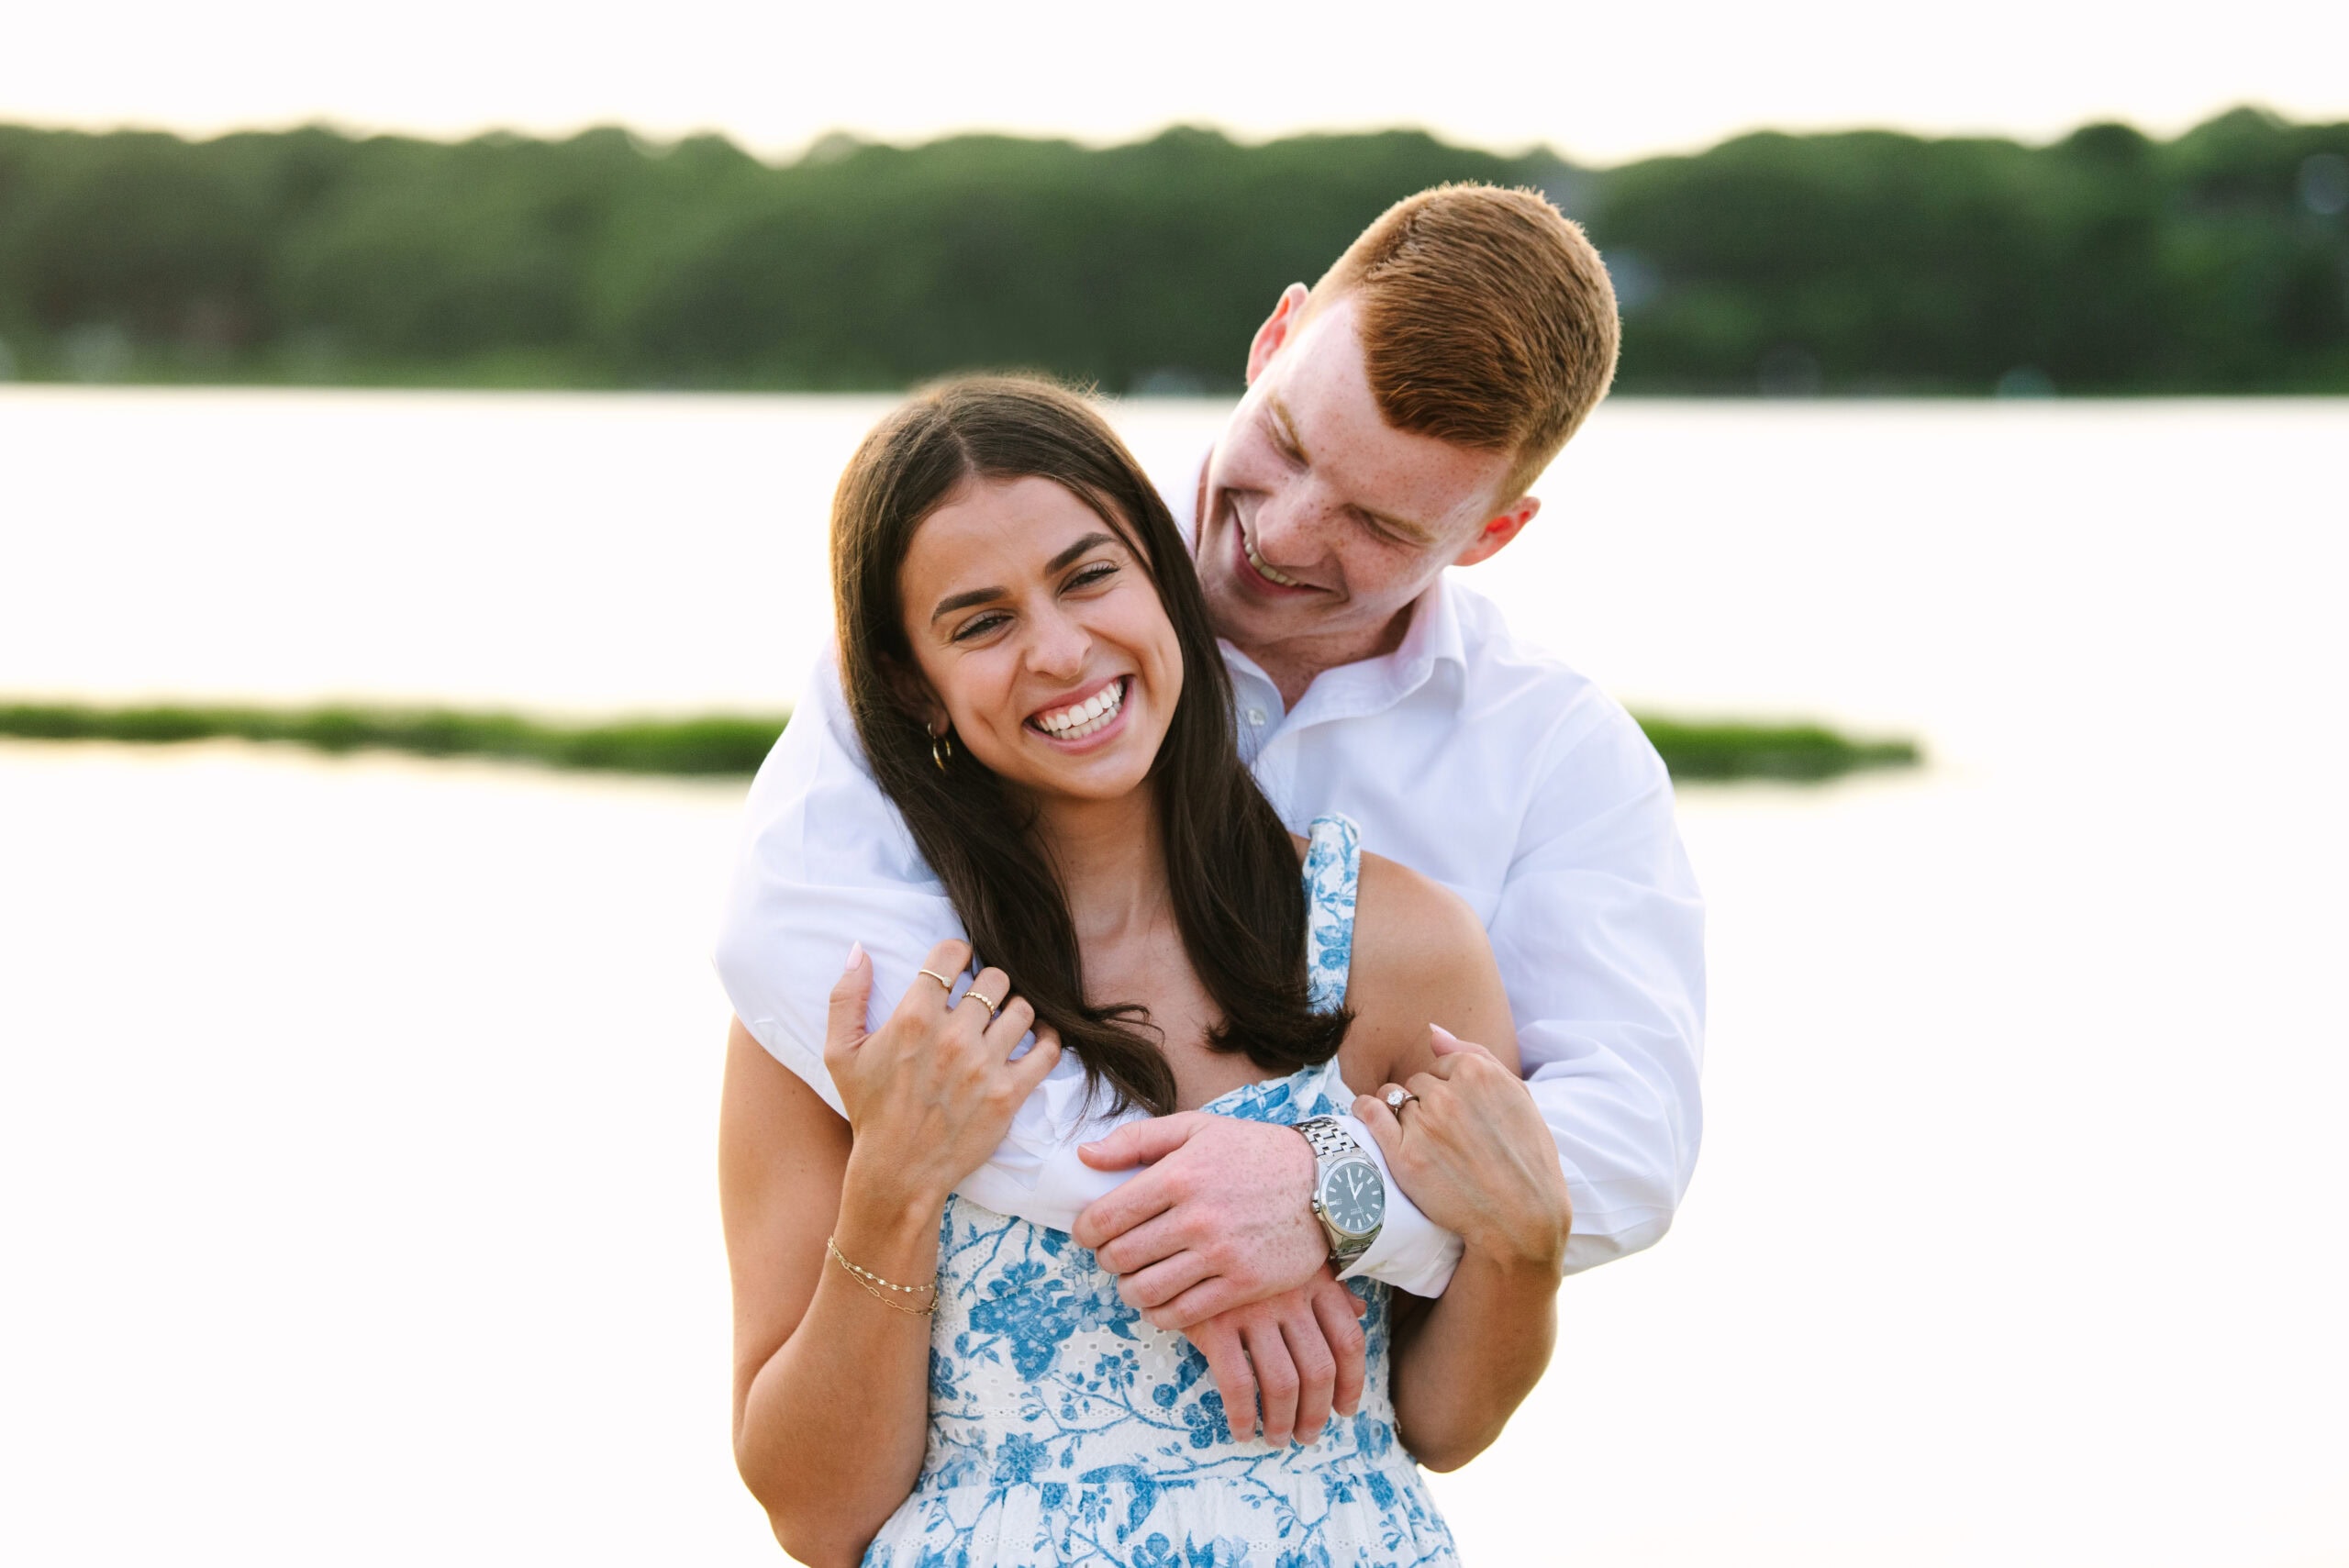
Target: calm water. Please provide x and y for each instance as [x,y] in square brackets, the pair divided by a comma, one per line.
[355,1118]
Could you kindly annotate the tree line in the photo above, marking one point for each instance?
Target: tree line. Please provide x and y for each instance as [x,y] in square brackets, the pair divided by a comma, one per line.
[1861,262]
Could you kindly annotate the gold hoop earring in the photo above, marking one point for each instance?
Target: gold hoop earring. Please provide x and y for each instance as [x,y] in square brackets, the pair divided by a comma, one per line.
[941,746]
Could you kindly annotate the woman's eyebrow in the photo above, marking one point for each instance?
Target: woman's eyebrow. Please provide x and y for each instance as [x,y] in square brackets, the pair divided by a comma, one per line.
[1079,548]
[965,600]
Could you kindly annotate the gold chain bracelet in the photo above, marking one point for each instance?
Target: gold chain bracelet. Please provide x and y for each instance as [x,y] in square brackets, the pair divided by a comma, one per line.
[870,1281]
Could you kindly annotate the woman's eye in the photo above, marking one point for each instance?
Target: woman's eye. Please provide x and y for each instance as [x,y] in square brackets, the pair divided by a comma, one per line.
[979,626]
[1099,571]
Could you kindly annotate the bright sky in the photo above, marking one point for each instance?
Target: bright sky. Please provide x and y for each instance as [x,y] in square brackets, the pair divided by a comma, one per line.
[1599,84]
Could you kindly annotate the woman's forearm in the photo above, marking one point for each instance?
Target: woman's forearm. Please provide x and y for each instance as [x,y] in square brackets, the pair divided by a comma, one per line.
[1463,1368]
[833,1427]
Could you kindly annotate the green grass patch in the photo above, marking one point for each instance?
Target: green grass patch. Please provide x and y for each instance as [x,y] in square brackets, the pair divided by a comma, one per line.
[718,745]
[691,746]
[1802,753]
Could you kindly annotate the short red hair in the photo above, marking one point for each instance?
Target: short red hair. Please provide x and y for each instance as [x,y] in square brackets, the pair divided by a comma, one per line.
[1487,320]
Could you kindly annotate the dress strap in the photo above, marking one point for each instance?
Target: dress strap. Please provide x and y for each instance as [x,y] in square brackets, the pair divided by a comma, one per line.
[1332,872]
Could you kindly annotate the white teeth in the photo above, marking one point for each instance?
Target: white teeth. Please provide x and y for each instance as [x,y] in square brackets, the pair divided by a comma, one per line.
[1258,563]
[1081,719]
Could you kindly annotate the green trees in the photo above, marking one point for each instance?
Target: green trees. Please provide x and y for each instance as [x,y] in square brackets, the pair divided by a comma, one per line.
[1873,262]
[1861,262]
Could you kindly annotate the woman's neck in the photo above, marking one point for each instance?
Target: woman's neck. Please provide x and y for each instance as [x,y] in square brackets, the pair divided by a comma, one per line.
[1113,864]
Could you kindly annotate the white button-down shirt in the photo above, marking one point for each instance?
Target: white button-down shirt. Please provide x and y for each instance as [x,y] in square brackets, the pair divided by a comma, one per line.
[1476,760]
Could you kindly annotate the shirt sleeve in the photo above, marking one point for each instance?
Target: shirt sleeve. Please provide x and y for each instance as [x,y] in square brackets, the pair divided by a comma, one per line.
[1599,936]
[824,861]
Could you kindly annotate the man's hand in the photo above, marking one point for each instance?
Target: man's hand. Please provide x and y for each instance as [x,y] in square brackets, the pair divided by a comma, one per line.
[1222,1218]
[1301,1352]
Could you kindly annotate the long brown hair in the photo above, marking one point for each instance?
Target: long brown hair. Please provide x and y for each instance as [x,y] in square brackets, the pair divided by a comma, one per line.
[1231,867]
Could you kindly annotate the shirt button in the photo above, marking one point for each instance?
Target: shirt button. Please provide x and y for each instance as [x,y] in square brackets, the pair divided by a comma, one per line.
[1257,715]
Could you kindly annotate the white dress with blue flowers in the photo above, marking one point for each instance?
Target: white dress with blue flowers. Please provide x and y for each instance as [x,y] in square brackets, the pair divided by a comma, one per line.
[1065,1430]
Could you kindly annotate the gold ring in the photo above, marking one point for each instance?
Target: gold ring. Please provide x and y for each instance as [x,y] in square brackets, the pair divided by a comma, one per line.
[940,978]
[973,996]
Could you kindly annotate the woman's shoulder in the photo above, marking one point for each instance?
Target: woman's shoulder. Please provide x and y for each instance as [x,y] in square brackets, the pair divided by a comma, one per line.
[1401,917]
[1421,957]
[1407,924]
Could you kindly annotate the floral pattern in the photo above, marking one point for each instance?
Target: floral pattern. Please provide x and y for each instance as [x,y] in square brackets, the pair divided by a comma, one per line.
[1332,872]
[1065,1430]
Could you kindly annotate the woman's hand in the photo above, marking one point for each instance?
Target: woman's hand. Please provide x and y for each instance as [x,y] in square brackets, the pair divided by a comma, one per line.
[932,1092]
[1471,1151]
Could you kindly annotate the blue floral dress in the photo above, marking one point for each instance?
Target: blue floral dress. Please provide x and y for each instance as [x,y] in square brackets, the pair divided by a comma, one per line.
[1065,1429]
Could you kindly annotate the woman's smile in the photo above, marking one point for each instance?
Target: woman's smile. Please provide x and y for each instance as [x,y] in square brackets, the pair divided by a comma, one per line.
[1090,717]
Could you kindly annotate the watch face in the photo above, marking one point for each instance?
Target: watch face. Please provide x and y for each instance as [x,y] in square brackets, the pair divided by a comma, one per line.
[1353,1198]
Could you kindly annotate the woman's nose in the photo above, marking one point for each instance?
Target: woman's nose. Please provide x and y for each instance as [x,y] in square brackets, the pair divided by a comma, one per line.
[1058,647]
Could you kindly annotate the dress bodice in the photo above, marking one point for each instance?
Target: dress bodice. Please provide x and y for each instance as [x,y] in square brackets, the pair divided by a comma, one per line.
[1064,1429]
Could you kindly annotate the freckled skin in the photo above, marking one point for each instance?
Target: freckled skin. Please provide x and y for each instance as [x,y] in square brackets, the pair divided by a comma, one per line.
[1329,493]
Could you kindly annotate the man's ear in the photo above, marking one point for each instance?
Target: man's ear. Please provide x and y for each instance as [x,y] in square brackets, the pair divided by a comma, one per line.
[1499,531]
[1277,329]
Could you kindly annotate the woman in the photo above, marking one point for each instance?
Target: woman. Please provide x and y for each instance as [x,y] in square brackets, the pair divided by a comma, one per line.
[1032,674]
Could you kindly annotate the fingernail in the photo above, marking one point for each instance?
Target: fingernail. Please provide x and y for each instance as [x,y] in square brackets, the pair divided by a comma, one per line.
[855,951]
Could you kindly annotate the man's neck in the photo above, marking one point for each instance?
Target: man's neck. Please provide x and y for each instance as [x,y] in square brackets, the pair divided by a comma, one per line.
[1293,664]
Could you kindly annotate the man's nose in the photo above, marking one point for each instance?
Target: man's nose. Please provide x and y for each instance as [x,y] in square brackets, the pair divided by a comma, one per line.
[1289,527]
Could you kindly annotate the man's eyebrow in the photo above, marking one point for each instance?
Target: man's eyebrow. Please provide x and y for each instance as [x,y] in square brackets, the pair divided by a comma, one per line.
[968,597]
[1284,426]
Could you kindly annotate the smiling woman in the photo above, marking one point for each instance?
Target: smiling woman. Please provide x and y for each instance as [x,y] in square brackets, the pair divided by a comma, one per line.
[1021,632]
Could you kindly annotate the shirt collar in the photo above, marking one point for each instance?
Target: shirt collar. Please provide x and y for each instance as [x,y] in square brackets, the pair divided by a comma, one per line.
[1432,648]
[1435,639]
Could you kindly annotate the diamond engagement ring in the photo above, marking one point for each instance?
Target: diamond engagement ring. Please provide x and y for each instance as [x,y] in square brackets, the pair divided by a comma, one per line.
[1397,1098]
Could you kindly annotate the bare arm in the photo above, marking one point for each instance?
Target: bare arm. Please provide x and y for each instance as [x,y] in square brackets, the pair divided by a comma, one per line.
[1472,1149]
[830,1398]
[830,1383]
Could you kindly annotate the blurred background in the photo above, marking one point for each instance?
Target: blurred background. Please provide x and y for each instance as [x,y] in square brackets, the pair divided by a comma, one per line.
[394,404]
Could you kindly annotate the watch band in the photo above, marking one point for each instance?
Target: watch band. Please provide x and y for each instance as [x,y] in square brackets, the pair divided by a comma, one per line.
[1328,1136]
[1330,1143]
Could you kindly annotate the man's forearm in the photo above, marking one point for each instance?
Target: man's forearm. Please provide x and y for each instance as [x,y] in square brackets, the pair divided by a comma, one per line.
[1626,1148]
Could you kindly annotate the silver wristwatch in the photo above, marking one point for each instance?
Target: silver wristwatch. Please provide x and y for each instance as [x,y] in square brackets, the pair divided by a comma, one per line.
[1349,1196]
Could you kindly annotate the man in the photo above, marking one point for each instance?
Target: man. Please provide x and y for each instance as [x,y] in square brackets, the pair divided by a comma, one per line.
[1395,416]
